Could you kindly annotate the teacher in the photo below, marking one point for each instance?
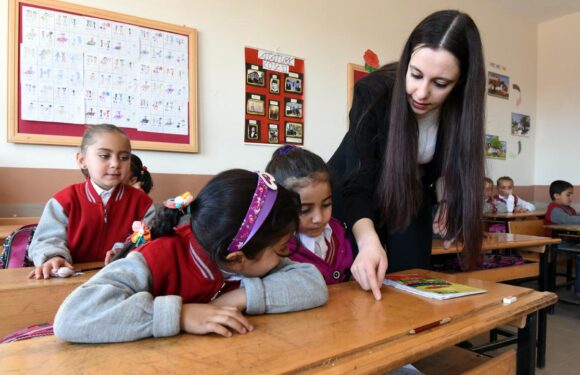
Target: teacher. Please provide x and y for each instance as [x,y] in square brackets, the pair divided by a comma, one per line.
[416,138]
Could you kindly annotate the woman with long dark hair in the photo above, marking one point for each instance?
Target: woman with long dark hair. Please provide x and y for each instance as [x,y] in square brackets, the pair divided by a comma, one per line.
[415,139]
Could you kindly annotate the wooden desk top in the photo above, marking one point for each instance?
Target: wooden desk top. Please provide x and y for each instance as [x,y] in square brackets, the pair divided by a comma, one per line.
[496,241]
[17,278]
[520,215]
[353,332]
[19,220]
[567,228]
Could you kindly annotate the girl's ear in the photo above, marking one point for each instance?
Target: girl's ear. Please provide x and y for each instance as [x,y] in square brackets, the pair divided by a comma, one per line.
[81,160]
[236,261]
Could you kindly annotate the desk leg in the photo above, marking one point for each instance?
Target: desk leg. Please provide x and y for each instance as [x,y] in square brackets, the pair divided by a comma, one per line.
[542,338]
[526,356]
[552,273]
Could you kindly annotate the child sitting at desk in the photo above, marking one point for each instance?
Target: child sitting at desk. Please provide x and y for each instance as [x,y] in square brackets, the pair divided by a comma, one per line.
[140,177]
[323,239]
[561,212]
[83,221]
[506,201]
[185,279]
[488,204]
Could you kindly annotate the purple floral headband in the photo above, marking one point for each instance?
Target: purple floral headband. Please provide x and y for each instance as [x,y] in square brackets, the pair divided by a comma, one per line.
[261,205]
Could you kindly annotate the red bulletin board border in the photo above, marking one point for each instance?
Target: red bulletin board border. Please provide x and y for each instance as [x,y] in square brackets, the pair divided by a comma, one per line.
[354,73]
[251,58]
[37,132]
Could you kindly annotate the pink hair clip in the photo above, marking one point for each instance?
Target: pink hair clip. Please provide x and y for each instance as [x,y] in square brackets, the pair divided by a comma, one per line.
[261,205]
[180,202]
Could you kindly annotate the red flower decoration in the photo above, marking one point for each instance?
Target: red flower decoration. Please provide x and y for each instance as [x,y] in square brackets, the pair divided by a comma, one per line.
[371,61]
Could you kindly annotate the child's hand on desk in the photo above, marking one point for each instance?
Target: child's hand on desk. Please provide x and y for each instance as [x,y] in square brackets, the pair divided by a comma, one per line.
[43,272]
[200,319]
[520,209]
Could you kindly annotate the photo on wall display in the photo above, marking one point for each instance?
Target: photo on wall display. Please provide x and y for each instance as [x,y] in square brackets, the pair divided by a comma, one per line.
[255,104]
[293,83]
[498,85]
[521,125]
[255,76]
[293,107]
[273,131]
[273,110]
[253,130]
[494,147]
[293,132]
[274,84]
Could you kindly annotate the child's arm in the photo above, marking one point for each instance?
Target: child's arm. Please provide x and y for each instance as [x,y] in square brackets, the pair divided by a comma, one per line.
[527,206]
[289,287]
[48,248]
[559,216]
[149,215]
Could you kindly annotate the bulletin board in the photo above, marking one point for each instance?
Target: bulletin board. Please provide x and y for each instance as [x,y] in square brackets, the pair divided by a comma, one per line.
[71,66]
[354,73]
[274,99]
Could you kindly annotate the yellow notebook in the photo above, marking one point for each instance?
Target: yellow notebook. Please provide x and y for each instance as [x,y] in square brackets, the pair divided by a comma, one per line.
[430,287]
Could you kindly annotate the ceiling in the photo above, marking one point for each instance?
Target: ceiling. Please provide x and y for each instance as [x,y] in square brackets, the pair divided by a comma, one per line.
[540,10]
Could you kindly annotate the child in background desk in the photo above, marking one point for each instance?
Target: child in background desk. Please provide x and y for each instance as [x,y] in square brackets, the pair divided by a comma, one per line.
[140,177]
[83,221]
[323,238]
[506,201]
[488,204]
[240,222]
[561,212]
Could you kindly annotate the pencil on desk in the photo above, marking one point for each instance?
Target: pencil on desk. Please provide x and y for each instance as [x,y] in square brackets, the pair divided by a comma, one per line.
[429,326]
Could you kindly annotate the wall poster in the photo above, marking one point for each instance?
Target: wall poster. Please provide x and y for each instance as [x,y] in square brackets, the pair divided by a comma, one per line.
[274,100]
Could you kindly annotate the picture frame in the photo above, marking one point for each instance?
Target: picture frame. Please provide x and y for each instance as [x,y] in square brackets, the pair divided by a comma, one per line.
[274,84]
[498,85]
[354,73]
[293,83]
[255,104]
[255,75]
[51,127]
[252,132]
[273,133]
[520,125]
[274,110]
[293,107]
[293,132]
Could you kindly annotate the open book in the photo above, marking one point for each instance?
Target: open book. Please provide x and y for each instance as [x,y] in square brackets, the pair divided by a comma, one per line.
[430,287]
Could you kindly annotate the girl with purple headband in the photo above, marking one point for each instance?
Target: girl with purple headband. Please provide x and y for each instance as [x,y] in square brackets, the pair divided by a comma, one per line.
[210,259]
[323,240]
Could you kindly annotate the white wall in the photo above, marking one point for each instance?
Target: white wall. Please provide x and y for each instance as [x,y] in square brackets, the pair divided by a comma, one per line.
[327,34]
[558,136]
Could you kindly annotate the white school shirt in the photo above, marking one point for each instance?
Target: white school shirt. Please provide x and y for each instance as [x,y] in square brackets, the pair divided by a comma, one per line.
[317,245]
[428,127]
[104,194]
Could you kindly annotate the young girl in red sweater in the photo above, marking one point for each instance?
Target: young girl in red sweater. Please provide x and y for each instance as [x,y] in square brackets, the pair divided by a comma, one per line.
[83,221]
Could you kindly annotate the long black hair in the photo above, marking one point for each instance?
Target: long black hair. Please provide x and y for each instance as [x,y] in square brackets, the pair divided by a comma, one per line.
[219,209]
[462,125]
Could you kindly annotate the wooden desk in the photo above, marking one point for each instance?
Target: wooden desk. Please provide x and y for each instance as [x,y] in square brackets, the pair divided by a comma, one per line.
[545,270]
[505,217]
[19,220]
[567,249]
[353,333]
[24,302]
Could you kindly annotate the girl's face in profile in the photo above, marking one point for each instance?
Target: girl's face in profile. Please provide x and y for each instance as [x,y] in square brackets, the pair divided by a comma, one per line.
[431,75]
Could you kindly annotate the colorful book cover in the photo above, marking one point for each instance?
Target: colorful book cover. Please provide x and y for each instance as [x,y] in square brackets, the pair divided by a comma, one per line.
[430,287]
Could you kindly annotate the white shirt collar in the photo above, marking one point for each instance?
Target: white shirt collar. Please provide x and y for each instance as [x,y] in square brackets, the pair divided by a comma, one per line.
[103,194]
[311,242]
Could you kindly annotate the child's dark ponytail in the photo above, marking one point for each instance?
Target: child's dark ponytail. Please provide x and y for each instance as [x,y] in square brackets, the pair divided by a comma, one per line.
[141,174]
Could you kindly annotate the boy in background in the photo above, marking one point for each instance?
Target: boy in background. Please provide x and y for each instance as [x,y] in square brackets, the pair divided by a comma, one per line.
[506,201]
[561,212]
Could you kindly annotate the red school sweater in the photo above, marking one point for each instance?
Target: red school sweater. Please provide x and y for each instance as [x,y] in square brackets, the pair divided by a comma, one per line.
[93,228]
[180,266]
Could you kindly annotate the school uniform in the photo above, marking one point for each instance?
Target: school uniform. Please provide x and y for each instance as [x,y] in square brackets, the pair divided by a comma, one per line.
[80,224]
[142,295]
[330,253]
[508,204]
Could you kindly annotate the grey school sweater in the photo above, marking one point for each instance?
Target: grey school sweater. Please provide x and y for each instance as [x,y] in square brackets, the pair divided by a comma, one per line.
[115,305]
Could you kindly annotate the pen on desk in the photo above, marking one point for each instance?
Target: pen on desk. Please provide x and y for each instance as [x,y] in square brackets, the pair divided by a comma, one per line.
[429,326]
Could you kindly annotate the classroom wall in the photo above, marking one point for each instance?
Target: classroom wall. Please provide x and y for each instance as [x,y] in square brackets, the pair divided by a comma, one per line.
[328,35]
[558,130]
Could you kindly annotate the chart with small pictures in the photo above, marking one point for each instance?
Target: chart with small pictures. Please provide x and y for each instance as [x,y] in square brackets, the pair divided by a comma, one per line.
[274,104]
